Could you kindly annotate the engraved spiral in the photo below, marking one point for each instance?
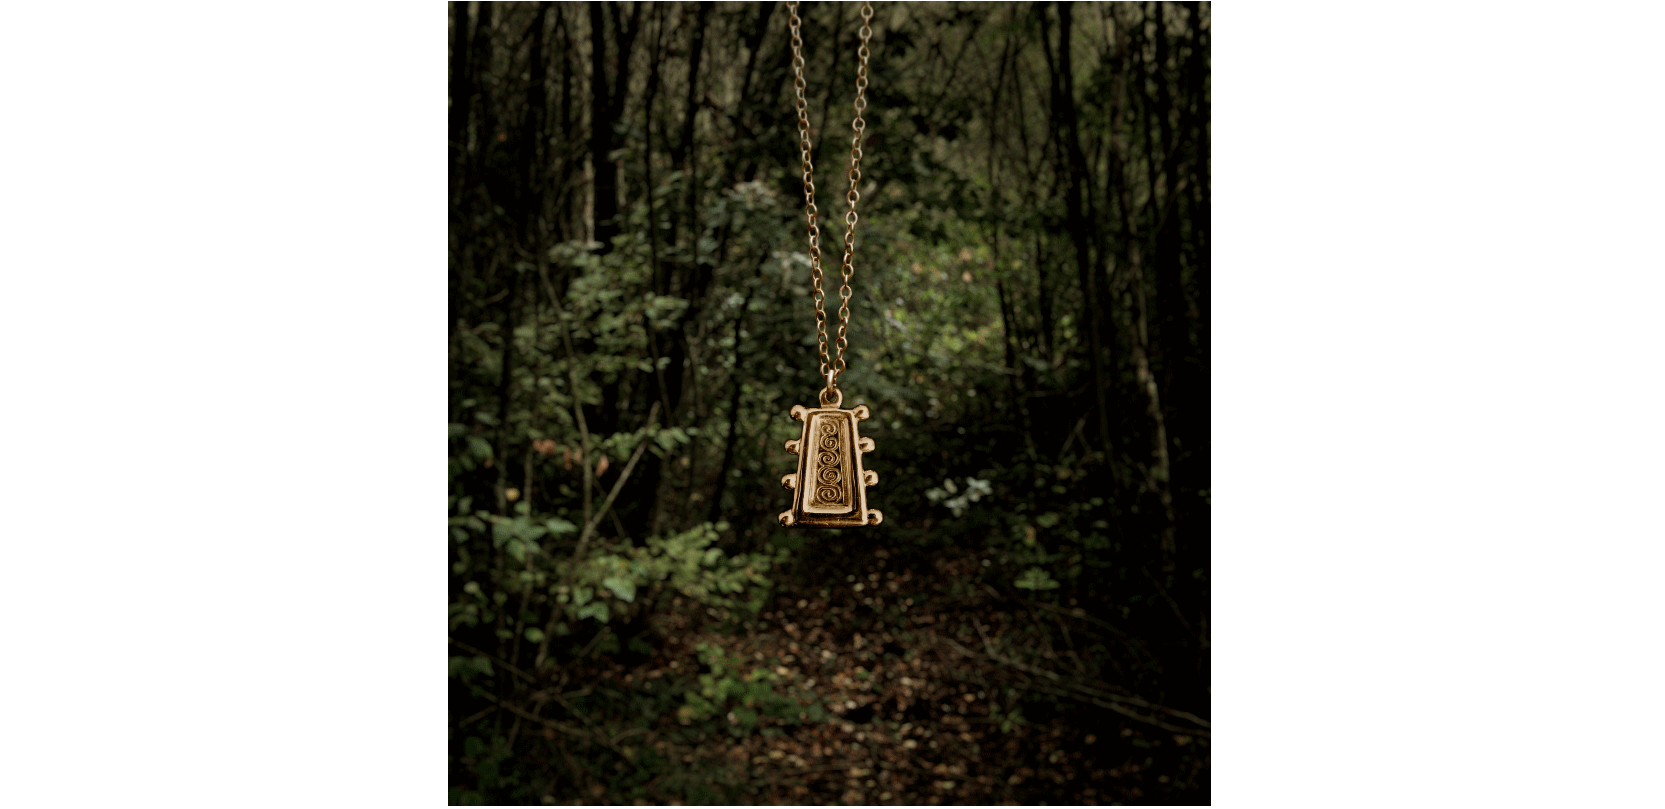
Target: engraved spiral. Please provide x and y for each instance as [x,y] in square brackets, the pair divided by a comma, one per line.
[829,476]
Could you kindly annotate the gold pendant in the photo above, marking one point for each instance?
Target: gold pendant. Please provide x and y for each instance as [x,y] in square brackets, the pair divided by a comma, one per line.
[830,486]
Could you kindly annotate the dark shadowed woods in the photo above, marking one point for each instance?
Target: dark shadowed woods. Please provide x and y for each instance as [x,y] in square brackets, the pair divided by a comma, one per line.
[630,321]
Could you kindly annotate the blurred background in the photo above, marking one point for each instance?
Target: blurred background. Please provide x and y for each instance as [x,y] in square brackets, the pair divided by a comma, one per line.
[631,319]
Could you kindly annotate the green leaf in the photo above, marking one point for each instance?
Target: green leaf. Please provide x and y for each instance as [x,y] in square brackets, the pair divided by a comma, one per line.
[582,596]
[623,588]
[534,634]
[525,529]
[458,665]
[560,527]
[517,550]
[467,667]
[1035,579]
[596,610]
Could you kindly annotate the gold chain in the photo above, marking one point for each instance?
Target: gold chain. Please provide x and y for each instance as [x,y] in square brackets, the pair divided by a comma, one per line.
[831,366]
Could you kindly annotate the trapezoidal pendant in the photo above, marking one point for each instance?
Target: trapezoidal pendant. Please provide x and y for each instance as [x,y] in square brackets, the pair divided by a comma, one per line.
[829,490]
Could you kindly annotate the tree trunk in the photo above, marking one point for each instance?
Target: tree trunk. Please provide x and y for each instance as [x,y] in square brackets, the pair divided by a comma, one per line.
[819,133]
[656,383]
[683,153]
[1075,176]
[505,385]
[606,109]
[737,382]
[533,138]
[604,199]
[565,227]
[754,42]
[1200,228]
[1157,474]
[462,96]
[1173,339]
[485,133]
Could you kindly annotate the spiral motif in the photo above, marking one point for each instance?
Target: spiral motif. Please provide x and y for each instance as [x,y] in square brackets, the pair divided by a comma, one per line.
[829,477]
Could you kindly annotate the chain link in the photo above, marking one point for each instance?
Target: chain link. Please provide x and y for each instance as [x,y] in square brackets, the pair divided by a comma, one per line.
[832,365]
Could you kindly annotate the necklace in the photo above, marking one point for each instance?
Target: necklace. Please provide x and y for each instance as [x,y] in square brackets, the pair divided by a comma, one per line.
[830,486]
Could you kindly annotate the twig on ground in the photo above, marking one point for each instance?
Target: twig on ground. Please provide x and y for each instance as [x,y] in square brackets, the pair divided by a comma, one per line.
[1066,687]
[1078,614]
[595,734]
[1124,711]
[560,699]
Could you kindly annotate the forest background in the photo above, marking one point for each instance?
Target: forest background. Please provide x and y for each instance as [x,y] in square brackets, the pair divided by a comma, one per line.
[630,320]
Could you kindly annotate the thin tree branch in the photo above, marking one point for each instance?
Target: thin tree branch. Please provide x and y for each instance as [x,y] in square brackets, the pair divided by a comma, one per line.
[493,658]
[1167,598]
[489,709]
[1083,616]
[1077,688]
[618,485]
[548,723]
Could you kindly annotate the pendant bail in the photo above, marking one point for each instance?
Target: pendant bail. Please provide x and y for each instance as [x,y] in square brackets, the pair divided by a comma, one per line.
[831,396]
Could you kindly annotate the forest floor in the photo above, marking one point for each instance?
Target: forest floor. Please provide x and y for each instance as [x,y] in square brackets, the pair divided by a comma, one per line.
[920,708]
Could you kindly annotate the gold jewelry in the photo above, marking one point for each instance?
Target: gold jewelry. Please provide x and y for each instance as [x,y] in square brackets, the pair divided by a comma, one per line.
[830,486]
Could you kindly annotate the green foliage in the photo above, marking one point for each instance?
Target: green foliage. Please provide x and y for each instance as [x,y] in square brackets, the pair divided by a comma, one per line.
[465,668]
[743,694]
[1035,579]
[1010,720]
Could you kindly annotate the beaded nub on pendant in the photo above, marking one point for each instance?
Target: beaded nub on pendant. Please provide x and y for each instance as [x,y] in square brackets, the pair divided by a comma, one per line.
[830,486]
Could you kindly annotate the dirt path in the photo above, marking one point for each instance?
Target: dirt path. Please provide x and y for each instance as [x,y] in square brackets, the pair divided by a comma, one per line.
[913,714]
